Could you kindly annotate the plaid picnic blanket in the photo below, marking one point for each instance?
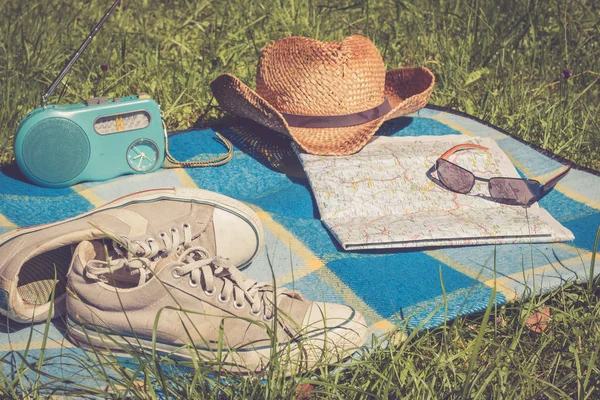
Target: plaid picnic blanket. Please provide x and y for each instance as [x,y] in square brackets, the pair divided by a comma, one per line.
[419,287]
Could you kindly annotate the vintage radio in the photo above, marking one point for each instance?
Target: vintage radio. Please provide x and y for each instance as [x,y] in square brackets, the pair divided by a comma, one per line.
[102,138]
[60,145]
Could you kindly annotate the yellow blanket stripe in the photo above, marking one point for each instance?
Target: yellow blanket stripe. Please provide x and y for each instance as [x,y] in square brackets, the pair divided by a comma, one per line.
[185,179]
[472,273]
[463,130]
[463,269]
[507,291]
[532,274]
[89,195]
[311,262]
[383,325]
[6,223]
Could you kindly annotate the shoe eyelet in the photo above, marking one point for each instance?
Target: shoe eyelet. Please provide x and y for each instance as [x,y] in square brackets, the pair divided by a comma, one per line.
[267,319]
[254,314]
[175,273]
[174,230]
[162,234]
[192,283]
[186,225]
[210,292]
[223,300]
[239,306]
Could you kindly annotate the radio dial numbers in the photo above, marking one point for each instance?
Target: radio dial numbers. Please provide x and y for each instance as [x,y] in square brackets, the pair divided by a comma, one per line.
[110,124]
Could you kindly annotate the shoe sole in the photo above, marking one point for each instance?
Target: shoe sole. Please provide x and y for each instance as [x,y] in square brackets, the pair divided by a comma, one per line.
[199,196]
[237,362]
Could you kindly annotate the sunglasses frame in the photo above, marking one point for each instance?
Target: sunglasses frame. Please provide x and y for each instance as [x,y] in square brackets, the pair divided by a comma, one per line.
[537,189]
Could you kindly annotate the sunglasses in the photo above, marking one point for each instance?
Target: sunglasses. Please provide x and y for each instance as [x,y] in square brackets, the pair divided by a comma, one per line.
[512,191]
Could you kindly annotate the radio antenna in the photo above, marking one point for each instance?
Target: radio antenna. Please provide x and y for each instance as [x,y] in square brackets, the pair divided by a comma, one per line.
[76,56]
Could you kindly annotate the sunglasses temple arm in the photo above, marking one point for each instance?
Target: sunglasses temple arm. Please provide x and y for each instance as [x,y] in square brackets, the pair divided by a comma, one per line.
[548,186]
[464,146]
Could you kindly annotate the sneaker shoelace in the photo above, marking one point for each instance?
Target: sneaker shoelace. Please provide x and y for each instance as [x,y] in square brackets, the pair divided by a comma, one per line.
[98,270]
[203,270]
[138,255]
[150,248]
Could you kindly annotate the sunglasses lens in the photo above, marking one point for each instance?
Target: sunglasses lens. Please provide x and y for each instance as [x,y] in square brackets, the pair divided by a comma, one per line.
[454,177]
[512,191]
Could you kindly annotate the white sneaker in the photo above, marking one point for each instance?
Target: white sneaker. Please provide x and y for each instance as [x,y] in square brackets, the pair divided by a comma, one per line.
[198,305]
[155,223]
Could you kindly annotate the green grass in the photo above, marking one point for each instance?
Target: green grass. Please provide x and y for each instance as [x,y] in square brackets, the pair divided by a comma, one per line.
[500,60]
[491,356]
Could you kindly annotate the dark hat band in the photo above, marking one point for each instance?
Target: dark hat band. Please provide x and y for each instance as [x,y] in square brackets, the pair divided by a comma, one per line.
[337,121]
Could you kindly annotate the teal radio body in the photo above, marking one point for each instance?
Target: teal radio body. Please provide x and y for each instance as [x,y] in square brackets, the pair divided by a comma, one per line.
[61,145]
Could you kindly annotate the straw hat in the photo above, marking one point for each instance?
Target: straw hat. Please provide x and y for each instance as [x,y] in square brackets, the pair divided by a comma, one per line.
[329,97]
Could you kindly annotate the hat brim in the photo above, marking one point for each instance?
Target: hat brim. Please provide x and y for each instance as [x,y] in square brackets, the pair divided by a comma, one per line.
[407,90]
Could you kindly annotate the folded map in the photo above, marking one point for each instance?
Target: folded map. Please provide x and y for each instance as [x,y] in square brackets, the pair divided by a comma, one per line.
[385,196]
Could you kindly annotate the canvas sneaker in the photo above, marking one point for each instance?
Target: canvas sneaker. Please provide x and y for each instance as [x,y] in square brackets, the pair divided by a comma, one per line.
[155,223]
[198,305]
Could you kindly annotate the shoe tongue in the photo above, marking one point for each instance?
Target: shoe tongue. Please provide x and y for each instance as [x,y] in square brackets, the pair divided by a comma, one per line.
[160,263]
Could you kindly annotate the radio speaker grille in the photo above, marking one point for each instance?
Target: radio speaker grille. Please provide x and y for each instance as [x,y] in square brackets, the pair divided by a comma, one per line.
[56,150]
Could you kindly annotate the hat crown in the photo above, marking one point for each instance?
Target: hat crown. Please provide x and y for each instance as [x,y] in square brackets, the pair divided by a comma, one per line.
[303,76]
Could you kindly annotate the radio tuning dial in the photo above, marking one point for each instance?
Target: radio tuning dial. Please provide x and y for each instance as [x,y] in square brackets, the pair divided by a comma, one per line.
[109,124]
[142,155]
